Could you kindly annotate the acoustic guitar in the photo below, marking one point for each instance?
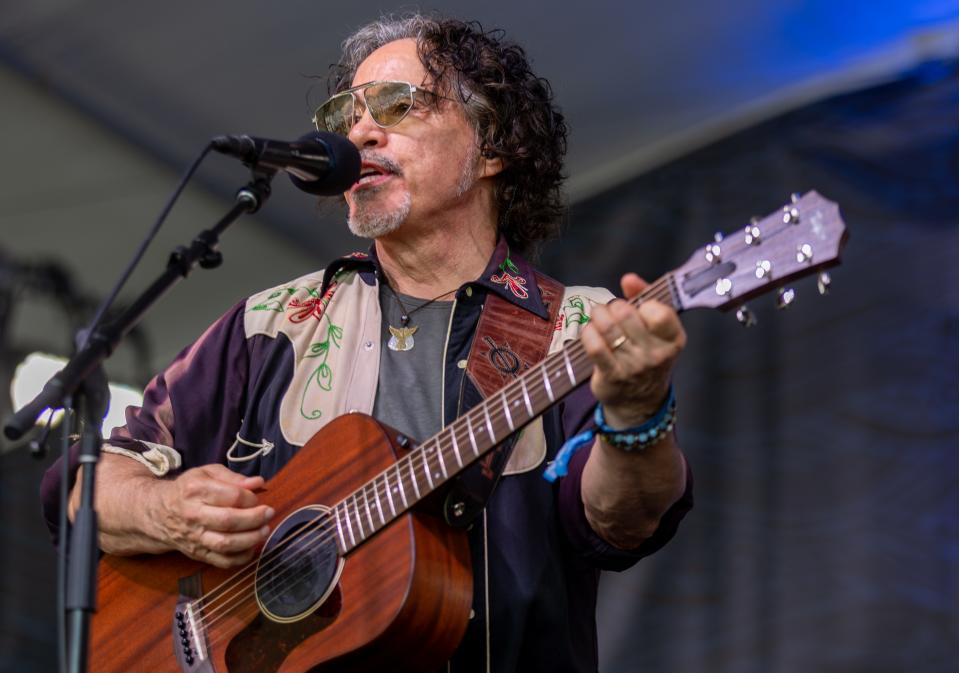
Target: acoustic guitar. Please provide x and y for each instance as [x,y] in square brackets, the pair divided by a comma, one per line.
[358,576]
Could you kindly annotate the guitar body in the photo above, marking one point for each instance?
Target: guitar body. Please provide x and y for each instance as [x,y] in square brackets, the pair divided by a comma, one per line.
[400,601]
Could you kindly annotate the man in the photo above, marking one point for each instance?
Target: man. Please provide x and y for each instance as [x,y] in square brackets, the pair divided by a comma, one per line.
[462,152]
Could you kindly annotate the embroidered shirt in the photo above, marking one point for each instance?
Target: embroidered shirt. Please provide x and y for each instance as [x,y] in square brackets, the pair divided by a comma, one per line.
[278,366]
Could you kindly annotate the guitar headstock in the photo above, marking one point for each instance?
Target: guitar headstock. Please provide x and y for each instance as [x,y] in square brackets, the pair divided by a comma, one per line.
[803,237]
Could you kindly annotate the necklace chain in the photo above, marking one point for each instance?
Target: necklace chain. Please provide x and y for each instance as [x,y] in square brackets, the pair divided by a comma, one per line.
[407,314]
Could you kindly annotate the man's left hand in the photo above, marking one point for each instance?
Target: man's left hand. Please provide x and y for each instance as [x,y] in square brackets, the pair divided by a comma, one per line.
[632,374]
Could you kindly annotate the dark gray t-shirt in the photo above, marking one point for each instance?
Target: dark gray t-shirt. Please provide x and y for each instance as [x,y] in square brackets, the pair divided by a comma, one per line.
[409,392]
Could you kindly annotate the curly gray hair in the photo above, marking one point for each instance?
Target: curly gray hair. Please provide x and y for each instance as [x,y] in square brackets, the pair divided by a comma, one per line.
[511,109]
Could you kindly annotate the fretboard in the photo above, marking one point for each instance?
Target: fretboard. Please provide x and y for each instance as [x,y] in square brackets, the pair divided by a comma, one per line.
[434,462]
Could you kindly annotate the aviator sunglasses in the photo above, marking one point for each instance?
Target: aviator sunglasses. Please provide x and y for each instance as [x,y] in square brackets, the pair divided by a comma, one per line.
[388,103]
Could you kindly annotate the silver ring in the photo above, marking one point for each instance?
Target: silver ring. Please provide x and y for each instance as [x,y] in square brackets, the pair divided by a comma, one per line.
[618,342]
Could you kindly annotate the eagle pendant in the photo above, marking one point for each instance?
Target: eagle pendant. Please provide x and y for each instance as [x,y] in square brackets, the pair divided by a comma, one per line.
[402,339]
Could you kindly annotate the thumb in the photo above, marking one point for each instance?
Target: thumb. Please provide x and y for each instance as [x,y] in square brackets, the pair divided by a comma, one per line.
[632,285]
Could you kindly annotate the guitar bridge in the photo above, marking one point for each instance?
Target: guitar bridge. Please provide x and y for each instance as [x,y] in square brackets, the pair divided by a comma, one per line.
[189,636]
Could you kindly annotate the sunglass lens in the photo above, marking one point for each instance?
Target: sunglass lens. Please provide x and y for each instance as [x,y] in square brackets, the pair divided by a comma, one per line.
[336,114]
[389,102]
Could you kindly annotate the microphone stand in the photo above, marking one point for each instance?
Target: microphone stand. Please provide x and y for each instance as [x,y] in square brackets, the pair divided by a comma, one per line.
[83,380]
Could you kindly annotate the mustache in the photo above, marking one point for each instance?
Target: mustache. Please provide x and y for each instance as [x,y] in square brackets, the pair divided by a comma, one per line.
[374,157]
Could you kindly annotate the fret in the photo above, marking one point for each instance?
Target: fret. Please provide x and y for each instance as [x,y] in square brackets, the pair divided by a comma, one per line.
[399,480]
[426,467]
[389,494]
[509,416]
[569,367]
[349,525]
[469,426]
[369,515]
[339,528]
[439,450]
[456,446]
[529,405]
[489,424]
[379,505]
[358,520]
[549,388]
[416,486]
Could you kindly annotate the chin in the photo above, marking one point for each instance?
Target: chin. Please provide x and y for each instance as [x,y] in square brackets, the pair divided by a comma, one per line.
[367,221]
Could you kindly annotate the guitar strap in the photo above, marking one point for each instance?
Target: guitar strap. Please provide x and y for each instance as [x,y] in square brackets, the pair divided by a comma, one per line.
[508,341]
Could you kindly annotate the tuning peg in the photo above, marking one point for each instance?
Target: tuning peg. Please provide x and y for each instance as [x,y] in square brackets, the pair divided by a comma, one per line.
[718,237]
[794,197]
[785,297]
[745,316]
[823,282]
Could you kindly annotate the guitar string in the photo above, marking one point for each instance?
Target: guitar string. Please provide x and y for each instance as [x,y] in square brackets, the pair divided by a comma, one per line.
[439,450]
[246,604]
[323,523]
[252,566]
[424,454]
[395,467]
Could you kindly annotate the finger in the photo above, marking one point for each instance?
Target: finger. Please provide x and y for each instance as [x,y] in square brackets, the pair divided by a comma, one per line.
[661,321]
[223,473]
[598,349]
[223,560]
[231,519]
[632,285]
[626,320]
[203,488]
[603,321]
[233,543]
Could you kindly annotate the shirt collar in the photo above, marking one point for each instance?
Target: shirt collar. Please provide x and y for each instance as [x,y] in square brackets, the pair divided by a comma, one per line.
[507,274]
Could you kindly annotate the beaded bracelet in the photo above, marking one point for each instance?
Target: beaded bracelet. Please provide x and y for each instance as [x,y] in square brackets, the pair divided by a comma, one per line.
[630,439]
[641,436]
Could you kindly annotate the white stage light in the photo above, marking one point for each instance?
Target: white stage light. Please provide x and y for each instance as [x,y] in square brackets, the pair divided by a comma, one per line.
[37,368]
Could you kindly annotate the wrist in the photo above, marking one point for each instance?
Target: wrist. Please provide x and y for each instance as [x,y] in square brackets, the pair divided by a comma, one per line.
[640,436]
[622,416]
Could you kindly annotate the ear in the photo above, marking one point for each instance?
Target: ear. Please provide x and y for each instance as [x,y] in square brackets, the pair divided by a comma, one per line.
[491,164]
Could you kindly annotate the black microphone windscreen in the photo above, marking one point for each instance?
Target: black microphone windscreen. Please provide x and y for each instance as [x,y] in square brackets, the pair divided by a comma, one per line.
[344,165]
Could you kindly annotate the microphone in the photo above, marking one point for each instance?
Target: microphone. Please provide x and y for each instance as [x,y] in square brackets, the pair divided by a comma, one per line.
[319,163]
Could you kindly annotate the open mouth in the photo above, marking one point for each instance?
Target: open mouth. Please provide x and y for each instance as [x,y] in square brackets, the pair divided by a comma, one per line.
[372,174]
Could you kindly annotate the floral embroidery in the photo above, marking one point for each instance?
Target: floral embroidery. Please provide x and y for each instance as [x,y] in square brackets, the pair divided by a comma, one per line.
[322,375]
[357,255]
[507,266]
[274,301]
[575,311]
[314,306]
[513,283]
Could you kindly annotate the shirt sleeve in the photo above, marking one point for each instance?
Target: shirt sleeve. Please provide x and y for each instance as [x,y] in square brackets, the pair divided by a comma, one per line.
[190,413]
[577,416]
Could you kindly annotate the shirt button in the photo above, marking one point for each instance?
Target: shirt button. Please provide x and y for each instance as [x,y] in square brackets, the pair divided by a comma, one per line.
[368,345]
[469,292]
[461,364]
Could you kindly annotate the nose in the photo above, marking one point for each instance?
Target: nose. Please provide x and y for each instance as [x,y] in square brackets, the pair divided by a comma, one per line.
[365,133]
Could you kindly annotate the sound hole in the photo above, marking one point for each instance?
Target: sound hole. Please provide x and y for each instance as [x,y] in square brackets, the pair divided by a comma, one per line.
[298,566]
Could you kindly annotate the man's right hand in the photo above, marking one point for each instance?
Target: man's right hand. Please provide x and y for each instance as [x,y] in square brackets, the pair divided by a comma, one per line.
[212,514]
[208,513]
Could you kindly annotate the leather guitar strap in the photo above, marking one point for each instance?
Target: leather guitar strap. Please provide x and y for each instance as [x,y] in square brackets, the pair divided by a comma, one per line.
[508,341]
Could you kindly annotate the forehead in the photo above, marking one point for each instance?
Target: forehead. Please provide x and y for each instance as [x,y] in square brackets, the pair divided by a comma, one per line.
[393,61]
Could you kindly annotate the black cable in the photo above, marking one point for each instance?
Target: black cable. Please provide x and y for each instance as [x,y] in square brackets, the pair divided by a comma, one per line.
[62,534]
[143,246]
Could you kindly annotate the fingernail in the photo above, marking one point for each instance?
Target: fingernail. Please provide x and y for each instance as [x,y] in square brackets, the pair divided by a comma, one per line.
[269,513]
[265,531]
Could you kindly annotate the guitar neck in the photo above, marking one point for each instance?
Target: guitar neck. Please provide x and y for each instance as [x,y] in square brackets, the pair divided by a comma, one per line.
[434,462]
